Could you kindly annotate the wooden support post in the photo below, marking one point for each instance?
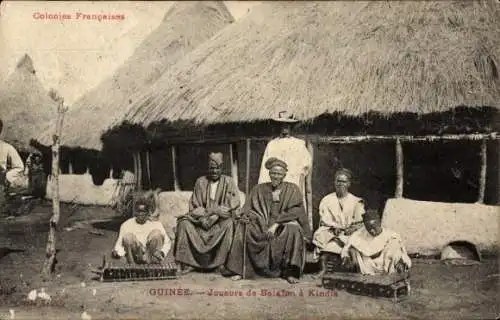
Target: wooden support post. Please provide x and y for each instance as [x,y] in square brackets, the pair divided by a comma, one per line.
[137,170]
[50,250]
[70,167]
[308,187]
[233,158]
[134,158]
[482,172]
[148,169]
[399,169]
[177,186]
[247,171]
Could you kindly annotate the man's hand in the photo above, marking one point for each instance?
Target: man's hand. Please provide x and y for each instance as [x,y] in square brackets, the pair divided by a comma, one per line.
[347,262]
[244,219]
[353,228]
[335,231]
[203,222]
[212,220]
[115,255]
[198,212]
[222,212]
[271,231]
[349,230]
[158,256]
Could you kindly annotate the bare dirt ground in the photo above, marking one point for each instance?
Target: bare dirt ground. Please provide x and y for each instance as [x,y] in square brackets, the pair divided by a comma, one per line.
[439,291]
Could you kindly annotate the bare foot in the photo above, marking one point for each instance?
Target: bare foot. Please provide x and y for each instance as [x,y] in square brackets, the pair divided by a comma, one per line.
[318,275]
[292,280]
[185,269]
[236,277]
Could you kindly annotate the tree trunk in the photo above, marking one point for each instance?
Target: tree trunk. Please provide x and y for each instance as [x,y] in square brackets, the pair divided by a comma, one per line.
[50,251]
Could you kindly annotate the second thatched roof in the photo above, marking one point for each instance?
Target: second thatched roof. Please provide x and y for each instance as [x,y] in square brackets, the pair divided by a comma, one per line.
[185,26]
[329,57]
[25,105]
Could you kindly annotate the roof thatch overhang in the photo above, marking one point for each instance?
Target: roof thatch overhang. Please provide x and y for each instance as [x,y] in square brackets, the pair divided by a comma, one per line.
[458,121]
[342,68]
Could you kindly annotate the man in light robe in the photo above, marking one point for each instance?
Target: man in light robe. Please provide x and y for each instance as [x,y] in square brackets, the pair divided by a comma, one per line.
[142,240]
[205,233]
[340,215]
[11,163]
[292,151]
[271,237]
[375,250]
[11,171]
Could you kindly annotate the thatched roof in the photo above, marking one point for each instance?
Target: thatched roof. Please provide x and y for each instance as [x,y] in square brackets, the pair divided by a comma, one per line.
[350,57]
[25,106]
[185,26]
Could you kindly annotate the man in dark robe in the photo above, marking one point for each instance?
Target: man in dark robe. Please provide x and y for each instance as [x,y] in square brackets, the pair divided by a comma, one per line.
[204,234]
[271,236]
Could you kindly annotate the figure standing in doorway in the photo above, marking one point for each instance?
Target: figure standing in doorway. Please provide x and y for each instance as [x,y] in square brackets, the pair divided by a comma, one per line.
[293,151]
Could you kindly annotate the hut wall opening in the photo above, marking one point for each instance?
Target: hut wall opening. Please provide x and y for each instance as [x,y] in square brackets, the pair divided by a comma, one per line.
[161,169]
[444,171]
[373,167]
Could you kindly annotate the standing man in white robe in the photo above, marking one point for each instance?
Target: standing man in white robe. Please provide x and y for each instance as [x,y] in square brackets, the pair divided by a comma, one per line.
[291,150]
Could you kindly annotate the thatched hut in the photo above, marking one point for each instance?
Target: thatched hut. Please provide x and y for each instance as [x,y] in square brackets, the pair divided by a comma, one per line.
[378,85]
[25,105]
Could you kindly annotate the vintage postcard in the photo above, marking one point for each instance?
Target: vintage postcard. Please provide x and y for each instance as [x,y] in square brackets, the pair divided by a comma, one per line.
[249,159]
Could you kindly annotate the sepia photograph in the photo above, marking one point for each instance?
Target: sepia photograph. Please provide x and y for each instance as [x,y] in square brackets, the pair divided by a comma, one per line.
[250,160]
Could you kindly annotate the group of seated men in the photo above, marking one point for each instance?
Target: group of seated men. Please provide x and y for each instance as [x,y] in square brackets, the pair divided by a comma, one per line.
[268,235]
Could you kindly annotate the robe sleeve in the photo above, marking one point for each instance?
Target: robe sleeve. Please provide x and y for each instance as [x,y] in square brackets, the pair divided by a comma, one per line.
[295,211]
[345,250]
[253,210]
[196,200]
[119,249]
[15,160]
[359,210]
[167,243]
[253,207]
[324,214]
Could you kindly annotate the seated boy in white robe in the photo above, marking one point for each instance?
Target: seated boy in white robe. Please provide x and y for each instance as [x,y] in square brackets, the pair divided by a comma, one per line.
[375,250]
[142,239]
